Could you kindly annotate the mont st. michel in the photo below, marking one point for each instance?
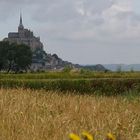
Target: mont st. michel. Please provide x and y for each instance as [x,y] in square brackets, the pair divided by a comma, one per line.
[41,60]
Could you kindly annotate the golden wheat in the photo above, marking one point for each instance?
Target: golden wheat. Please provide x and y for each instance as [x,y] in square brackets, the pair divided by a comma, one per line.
[41,115]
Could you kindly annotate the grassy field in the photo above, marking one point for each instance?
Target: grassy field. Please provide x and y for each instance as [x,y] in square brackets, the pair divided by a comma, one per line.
[49,106]
[71,75]
[45,115]
[110,83]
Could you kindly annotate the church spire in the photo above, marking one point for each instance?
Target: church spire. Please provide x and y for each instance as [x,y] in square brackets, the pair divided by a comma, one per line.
[20,19]
[20,27]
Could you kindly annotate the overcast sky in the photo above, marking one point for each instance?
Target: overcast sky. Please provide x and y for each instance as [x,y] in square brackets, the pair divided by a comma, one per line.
[80,31]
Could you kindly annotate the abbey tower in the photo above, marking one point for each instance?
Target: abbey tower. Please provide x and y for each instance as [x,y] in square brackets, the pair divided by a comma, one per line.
[24,36]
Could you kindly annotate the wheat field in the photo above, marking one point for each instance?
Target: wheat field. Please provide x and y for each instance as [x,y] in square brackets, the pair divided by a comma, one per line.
[45,115]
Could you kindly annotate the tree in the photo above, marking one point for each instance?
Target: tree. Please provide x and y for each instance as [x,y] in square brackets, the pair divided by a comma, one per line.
[10,57]
[23,58]
[14,57]
[132,69]
[3,54]
[119,68]
[67,69]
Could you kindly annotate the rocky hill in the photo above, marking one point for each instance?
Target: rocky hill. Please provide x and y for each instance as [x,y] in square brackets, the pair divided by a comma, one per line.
[44,61]
[97,67]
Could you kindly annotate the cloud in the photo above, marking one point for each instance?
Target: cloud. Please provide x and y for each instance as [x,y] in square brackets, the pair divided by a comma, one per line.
[99,23]
[82,19]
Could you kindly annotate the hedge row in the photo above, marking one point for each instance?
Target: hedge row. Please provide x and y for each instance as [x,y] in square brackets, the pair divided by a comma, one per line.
[71,75]
[103,86]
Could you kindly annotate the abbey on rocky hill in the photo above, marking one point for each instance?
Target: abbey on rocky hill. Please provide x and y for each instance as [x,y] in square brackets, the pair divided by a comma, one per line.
[24,36]
[41,60]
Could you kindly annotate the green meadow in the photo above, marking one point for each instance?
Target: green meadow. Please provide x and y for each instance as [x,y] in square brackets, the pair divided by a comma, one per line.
[83,82]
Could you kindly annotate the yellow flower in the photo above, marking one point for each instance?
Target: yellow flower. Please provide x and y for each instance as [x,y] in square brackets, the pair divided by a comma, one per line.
[110,137]
[87,136]
[74,137]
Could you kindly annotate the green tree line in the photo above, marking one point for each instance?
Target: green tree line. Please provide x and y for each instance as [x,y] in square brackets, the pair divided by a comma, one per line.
[14,57]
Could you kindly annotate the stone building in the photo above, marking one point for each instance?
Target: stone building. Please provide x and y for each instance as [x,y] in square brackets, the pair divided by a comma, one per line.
[24,36]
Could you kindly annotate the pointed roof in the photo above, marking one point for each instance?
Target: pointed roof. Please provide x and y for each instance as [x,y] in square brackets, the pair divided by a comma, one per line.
[20,23]
[20,19]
